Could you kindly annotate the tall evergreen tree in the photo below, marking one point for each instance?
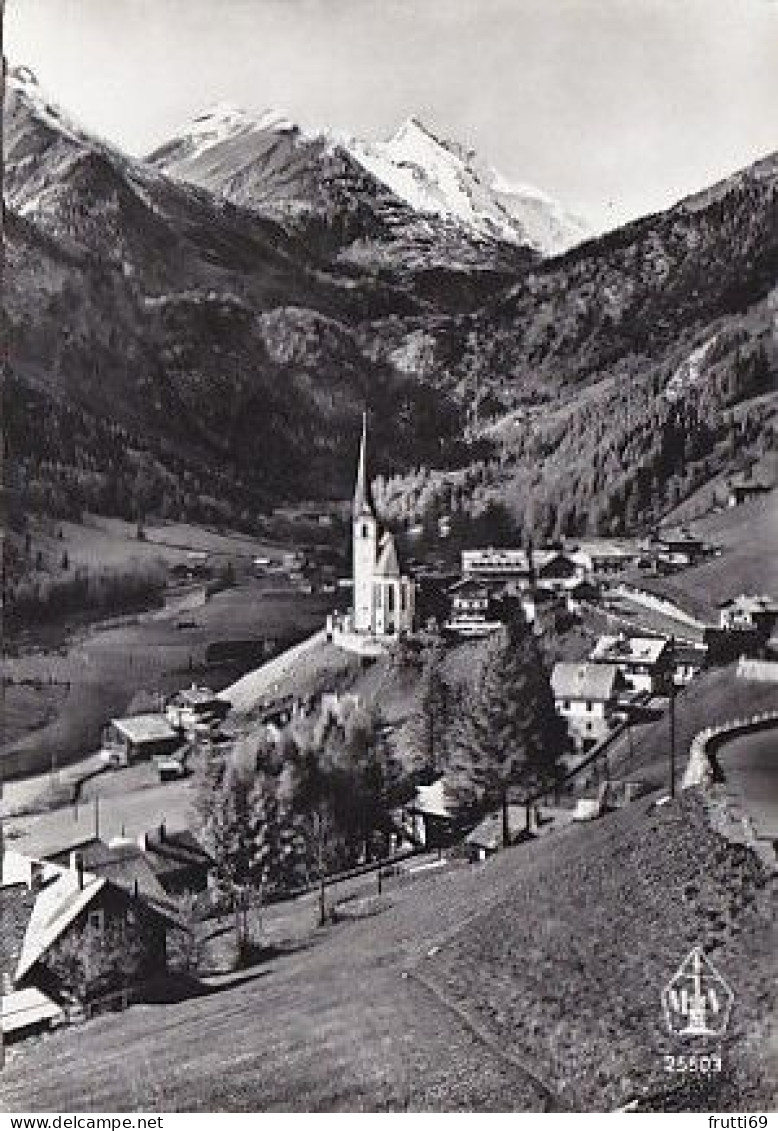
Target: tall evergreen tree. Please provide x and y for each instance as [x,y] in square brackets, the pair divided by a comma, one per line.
[508,736]
[429,722]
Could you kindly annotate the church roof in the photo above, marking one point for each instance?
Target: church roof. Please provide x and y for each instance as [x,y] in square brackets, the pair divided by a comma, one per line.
[388,562]
[363,499]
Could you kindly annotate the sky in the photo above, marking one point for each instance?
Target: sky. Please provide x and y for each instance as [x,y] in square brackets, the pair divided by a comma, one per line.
[615,107]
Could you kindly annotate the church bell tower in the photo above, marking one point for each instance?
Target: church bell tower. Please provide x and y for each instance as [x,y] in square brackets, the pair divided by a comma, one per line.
[364,541]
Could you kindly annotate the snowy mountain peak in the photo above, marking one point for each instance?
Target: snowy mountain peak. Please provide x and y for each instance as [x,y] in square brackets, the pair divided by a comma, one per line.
[444,179]
[24,89]
[433,176]
[225,122]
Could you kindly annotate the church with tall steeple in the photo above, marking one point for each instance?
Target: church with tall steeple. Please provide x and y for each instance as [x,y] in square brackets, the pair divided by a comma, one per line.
[384,597]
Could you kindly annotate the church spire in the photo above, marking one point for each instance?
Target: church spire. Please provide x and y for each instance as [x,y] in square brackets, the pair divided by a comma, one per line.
[363,499]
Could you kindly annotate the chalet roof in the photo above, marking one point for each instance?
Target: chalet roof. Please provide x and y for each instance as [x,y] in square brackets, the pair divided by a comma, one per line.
[750,604]
[431,800]
[584,681]
[56,907]
[23,1009]
[168,852]
[558,561]
[600,549]
[145,728]
[467,585]
[746,483]
[628,649]
[388,562]
[488,834]
[59,904]
[193,696]
[126,866]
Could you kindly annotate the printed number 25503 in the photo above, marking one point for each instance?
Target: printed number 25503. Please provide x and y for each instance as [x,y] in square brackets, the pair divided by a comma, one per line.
[700,1065]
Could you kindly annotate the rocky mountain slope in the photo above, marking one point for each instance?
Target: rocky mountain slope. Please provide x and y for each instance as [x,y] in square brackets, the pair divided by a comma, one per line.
[413,208]
[205,353]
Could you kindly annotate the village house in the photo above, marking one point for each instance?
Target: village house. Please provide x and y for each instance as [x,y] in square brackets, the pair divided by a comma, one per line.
[429,820]
[688,662]
[742,489]
[139,737]
[474,611]
[513,569]
[77,937]
[677,548]
[560,571]
[177,860]
[759,613]
[644,661]
[604,559]
[586,696]
[195,708]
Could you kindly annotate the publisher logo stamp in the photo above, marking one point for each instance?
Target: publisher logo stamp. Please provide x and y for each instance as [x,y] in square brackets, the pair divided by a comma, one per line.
[697,1001]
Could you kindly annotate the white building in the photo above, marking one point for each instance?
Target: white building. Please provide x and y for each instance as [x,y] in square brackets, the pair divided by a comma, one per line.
[384,597]
[644,661]
[586,696]
[746,612]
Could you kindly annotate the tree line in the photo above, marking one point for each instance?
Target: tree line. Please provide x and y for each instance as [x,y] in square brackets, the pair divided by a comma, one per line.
[280,813]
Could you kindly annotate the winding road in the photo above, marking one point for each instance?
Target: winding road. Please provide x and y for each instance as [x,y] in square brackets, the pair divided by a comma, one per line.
[750,766]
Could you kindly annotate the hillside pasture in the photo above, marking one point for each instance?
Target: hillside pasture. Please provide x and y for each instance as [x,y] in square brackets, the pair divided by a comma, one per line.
[103,667]
[748,537]
[530,982]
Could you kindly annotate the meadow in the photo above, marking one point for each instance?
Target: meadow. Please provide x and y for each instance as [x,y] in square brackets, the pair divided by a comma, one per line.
[90,671]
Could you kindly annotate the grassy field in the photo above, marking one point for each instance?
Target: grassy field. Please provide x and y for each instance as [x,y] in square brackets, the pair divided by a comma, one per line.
[104,542]
[571,965]
[526,983]
[748,536]
[717,696]
[104,666]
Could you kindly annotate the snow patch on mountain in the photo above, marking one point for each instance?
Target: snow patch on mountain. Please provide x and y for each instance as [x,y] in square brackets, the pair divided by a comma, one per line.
[225,121]
[22,83]
[434,177]
[444,179]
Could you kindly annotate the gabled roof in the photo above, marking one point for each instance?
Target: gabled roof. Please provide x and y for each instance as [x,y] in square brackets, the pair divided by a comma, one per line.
[170,852]
[467,585]
[488,834]
[145,728]
[60,903]
[24,1009]
[584,681]
[431,800]
[388,562]
[628,649]
[56,907]
[126,866]
[558,560]
[750,604]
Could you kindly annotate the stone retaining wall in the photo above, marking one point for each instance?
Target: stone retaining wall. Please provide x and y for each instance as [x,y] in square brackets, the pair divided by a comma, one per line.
[700,769]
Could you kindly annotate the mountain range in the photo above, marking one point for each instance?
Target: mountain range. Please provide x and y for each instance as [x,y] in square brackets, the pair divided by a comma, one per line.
[197,332]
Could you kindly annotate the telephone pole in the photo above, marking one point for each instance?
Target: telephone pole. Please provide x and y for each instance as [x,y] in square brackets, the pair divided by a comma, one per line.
[3,359]
[672,716]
